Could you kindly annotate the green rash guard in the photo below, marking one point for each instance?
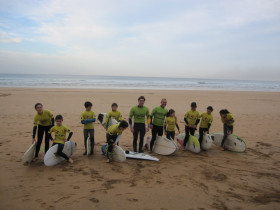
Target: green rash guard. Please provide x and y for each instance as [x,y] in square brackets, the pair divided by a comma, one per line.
[139,114]
[159,115]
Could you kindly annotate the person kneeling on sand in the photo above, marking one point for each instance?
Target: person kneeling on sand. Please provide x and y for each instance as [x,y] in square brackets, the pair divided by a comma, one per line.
[113,136]
[60,136]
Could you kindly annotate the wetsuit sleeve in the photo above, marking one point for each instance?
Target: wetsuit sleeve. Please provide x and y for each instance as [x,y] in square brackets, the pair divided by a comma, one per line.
[69,136]
[130,122]
[177,126]
[34,131]
[209,125]
[130,117]
[52,121]
[186,121]
[197,121]
[90,120]
[50,134]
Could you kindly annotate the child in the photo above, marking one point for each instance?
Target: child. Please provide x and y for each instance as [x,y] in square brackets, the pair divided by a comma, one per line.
[228,121]
[60,136]
[44,121]
[191,119]
[113,136]
[206,121]
[114,114]
[88,118]
[171,121]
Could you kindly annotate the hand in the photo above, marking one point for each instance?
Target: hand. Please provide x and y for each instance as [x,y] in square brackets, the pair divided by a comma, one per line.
[53,140]
[165,133]
[147,129]
[151,126]
[194,126]
[132,130]
[33,140]
[64,140]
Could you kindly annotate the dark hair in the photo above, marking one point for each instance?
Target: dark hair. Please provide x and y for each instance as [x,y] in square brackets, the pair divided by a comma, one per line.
[171,111]
[210,108]
[123,124]
[141,97]
[58,117]
[114,104]
[37,105]
[87,104]
[224,111]
[193,104]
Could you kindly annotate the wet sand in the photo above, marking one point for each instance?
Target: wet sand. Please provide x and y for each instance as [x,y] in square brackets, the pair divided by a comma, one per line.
[208,180]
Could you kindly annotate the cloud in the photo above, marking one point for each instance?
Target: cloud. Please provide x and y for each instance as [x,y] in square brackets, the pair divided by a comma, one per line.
[6,37]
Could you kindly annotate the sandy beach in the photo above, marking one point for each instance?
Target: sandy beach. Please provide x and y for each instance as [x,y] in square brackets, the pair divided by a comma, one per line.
[208,180]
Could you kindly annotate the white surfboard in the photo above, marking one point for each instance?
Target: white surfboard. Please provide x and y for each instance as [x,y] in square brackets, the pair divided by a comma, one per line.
[29,154]
[192,144]
[162,145]
[233,143]
[206,141]
[52,159]
[102,119]
[88,146]
[141,156]
[118,153]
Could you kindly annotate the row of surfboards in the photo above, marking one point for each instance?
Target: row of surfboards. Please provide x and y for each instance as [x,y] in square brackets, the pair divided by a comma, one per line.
[162,146]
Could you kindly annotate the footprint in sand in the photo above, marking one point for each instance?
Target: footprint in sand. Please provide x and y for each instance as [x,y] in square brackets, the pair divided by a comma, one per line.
[51,179]
[76,187]
[133,199]
[94,200]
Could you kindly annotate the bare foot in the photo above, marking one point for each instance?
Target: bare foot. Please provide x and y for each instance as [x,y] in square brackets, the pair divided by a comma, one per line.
[108,161]
[35,159]
[70,161]
[223,148]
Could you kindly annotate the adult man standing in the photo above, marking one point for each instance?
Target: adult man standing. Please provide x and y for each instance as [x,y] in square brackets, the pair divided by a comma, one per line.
[139,112]
[157,118]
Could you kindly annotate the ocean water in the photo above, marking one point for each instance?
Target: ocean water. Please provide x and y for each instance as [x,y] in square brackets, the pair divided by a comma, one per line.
[119,82]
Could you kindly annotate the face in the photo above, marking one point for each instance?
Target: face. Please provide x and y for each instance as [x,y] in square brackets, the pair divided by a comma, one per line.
[39,109]
[209,111]
[222,115]
[58,122]
[193,108]
[173,114]
[122,129]
[114,108]
[163,103]
[141,102]
[88,108]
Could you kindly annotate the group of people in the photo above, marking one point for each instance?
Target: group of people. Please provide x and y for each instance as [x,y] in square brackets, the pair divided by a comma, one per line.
[159,120]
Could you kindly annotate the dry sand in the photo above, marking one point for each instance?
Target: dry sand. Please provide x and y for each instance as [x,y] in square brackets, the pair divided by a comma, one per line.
[209,180]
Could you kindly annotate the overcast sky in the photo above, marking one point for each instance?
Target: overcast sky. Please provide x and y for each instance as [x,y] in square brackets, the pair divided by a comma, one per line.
[234,39]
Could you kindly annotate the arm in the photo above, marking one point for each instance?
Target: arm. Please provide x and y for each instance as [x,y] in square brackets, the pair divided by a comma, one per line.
[165,128]
[34,134]
[197,121]
[52,121]
[130,120]
[69,136]
[186,121]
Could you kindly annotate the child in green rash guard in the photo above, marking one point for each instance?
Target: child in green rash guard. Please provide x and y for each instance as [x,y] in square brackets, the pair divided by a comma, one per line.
[206,121]
[115,114]
[169,126]
[139,113]
[87,119]
[113,135]
[228,121]
[44,121]
[60,136]
[191,119]
[157,120]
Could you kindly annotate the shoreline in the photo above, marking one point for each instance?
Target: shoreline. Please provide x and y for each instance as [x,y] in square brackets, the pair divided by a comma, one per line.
[136,89]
